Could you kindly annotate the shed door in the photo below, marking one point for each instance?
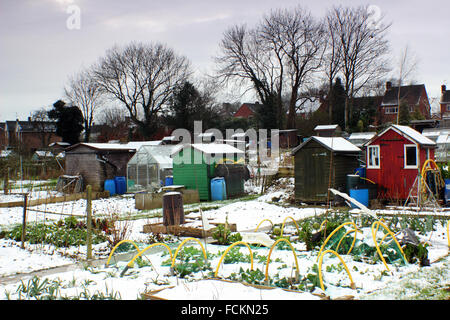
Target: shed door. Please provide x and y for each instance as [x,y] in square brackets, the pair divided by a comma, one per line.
[313,182]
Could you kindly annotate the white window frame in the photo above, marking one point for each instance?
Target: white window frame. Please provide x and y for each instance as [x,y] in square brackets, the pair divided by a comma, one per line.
[417,156]
[369,153]
[391,110]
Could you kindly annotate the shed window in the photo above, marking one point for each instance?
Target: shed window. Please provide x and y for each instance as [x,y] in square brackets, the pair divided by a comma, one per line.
[373,156]
[411,156]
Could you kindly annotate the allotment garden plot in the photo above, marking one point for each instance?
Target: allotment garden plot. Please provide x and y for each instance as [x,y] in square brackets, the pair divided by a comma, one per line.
[279,251]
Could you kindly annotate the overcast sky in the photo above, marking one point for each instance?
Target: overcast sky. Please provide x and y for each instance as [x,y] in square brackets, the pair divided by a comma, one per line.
[38,51]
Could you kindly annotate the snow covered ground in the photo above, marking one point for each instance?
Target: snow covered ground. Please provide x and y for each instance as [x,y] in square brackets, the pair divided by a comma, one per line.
[372,280]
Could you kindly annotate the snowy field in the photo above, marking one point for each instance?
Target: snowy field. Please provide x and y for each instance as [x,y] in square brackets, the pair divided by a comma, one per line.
[153,273]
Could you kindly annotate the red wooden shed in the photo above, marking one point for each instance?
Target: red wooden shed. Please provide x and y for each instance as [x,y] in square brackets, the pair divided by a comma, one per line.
[394,158]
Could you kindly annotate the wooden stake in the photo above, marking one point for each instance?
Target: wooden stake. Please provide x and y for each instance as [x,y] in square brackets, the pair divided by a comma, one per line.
[24,221]
[89,222]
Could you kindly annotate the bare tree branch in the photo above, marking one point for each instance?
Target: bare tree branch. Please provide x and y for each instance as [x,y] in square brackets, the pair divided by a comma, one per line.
[141,77]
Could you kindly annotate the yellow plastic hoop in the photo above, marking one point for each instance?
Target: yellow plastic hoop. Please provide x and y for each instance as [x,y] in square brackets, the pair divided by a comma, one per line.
[448,233]
[377,245]
[334,231]
[352,284]
[353,243]
[130,264]
[284,221]
[228,249]
[270,253]
[262,222]
[117,245]
[323,222]
[182,243]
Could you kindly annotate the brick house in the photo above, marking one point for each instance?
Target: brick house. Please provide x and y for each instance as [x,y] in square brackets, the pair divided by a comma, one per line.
[2,136]
[415,96]
[386,105]
[28,135]
[445,102]
[247,110]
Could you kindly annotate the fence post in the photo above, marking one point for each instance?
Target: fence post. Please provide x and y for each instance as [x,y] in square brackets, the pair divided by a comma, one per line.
[24,221]
[89,222]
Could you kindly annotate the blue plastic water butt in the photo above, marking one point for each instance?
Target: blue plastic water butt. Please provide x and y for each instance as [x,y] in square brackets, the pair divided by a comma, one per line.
[218,189]
[360,195]
[447,190]
[169,181]
[110,186]
[121,185]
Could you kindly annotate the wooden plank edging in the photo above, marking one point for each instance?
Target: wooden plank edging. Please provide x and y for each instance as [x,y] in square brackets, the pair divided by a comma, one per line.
[69,197]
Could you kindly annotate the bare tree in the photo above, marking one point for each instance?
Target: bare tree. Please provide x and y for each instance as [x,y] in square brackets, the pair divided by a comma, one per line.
[364,48]
[407,64]
[275,59]
[83,91]
[298,41]
[141,76]
[43,125]
[115,124]
[244,59]
[332,59]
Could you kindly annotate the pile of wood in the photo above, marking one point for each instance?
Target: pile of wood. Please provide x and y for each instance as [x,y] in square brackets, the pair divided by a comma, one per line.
[70,184]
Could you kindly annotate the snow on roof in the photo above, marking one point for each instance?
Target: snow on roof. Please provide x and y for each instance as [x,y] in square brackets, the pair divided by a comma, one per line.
[337,144]
[413,134]
[59,143]
[41,153]
[134,145]
[362,135]
[409,133]
[161,154]
[326,127]
[442,139]
[210,148]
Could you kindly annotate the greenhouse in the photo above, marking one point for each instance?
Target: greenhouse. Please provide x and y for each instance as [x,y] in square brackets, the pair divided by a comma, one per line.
[149,167]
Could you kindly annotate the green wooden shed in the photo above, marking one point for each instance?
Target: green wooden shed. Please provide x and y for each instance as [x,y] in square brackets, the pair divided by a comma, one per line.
[194,165]
[314,173]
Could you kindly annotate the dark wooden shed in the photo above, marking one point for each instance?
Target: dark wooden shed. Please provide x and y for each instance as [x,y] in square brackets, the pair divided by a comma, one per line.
[313,160]
[97,162]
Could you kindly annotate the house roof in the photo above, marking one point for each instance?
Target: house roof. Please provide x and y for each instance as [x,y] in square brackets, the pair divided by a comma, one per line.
[362,135]
[60,144]
[43,154]
[410,93]
[161,154]
[252,106]
[326,127]
[408,133]
[336,144]
[210,148]
[130,146]
[31,126]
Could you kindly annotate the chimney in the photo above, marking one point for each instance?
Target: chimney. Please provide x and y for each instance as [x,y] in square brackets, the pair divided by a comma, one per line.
[443,88]
[388,85]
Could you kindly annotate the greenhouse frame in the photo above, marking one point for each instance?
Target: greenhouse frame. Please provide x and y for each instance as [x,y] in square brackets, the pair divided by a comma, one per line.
[148,168]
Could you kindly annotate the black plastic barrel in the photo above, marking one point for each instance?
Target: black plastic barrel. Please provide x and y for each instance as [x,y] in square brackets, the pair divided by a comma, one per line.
[353,181]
